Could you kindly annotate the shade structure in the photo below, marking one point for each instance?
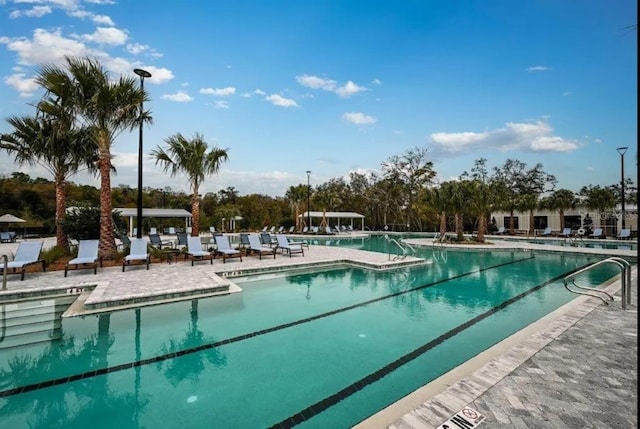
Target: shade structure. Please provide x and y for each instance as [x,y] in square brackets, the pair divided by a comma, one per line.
[9,218]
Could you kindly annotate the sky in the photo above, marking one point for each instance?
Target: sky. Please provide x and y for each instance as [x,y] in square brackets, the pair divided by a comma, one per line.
[334,86]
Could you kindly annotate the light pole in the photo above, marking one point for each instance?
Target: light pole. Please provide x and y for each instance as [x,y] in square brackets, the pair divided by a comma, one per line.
[621,151]
[142,74]
[309,198]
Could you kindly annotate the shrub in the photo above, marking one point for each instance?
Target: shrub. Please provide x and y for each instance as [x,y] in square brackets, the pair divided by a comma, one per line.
[83,223]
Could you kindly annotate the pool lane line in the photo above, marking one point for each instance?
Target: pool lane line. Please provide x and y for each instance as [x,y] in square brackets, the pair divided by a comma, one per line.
[328,402]
[156,359]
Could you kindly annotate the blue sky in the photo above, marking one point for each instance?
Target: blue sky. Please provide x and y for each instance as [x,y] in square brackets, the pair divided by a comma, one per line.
[340,86]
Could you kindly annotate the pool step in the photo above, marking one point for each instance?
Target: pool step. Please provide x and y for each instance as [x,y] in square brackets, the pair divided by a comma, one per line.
[33,321]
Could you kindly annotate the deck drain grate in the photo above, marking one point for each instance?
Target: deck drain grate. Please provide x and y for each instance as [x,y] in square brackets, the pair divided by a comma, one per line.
[466,418]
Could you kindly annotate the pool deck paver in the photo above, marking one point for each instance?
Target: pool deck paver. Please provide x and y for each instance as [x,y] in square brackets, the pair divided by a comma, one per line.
[576,370]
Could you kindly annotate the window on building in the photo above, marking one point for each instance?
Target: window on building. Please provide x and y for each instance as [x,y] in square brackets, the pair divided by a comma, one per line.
[573,222]
[540,222]
[507,222]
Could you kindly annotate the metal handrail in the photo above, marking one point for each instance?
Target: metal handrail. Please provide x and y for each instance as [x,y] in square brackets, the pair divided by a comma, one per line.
[627,265]
[400,247]
[5,259]
[413,250]
[612,260]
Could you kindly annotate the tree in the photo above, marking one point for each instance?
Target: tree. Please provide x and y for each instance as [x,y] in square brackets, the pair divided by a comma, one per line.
[560,200]
[296,196]
[413,172]
[599,198]
[57,146]
[482,196]
[106,107]
[191,157]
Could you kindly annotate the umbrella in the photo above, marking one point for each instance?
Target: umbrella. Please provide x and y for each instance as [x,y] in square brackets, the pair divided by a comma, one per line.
[9,218]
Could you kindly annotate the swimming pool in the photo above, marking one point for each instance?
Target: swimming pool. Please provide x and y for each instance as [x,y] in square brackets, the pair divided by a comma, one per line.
[319,349]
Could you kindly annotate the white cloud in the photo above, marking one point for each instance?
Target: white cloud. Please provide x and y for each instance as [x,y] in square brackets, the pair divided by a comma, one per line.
[34,12]
[158,74]
[532,137]
[567,93]
[359,118]
[314,82]
[538,68]
[220,92]
[278,100]
[45,47]
[25,86]
[255,92]
[179,97]
[107,36]
[221,104]
[136,48]
[103,20]
[376,82]
[349,89]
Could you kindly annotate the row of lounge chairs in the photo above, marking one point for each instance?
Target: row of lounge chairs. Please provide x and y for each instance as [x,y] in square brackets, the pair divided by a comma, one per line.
[624,233]
[28,253]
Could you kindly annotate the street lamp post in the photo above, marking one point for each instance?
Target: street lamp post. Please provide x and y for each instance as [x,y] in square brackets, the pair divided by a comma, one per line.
[142,73]
[309,198]
[622,151]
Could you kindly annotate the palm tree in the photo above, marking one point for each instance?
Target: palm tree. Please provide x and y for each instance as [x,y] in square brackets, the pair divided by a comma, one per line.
[57,147]
[296,195]
[191,157]
[560,200]
[107,107]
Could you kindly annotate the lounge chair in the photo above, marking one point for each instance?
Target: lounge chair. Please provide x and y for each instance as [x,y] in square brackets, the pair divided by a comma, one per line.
[501,231]
[305,230]
[157,242]
[267,239]
[289,248]
[547,232]
[223,247]
[212,229]
[182,239]
[280,229]
[28,253]
[327,230]
[259,248]
[153,231]
[137,252]
[566,233]
[597,233]
[172,230]
[5,237]
[87,256]
[194,250]
[272,229]
[292,229]
[624,234]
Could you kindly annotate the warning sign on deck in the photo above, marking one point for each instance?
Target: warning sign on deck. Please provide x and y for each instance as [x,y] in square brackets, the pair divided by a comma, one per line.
[466,418]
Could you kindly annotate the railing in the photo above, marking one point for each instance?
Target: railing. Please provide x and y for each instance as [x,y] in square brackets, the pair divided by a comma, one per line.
[625,268]
[5,260]
[399,246]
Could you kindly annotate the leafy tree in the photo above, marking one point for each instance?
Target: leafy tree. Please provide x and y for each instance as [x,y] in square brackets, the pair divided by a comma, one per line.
[560,200]
[599,198]
[106,107]
[296,196]
[53,143]
[191,157]
[83,223]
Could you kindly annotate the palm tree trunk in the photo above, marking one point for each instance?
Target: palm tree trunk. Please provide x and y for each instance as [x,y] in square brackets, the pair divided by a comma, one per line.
[482,226]
[443,226]
[61,203]
[459,227]
[107,242]
[195,212]
[530,233]
[561,211]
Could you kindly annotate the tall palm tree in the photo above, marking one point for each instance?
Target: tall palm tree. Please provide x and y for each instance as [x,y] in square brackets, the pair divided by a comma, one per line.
[56,146]
[191,157]
[297,196]
[107,107]
[560,200]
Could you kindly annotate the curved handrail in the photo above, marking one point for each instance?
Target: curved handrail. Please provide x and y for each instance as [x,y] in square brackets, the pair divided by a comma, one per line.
[627,265]
[5,259]
[590,291]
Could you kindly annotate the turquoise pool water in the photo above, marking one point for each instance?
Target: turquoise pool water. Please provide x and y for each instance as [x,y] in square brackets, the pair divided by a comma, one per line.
[315,349]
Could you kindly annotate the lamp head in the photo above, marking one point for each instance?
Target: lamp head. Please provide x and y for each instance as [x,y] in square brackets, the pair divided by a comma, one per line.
[622,150]
[142,73]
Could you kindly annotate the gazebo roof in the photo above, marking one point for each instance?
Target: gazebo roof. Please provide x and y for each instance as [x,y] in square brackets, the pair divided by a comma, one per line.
[348,215]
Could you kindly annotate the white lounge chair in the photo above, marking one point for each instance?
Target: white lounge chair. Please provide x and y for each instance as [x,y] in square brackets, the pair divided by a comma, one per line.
[501,230]
[259,248]
[597,233]
[547,232]
[223,247]
[624,234]
[137,252]
[289,248]
[566,233]
[28,253]
[194,250]
[87,256]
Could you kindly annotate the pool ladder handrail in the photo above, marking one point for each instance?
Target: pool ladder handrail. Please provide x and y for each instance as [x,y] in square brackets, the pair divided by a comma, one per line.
[625,268]
[400,247]
[5,260]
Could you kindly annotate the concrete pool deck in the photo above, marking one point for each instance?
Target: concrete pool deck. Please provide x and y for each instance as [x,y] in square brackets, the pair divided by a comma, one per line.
[575,368]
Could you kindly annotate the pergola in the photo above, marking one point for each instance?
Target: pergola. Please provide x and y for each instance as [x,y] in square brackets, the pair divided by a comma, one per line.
[132,213]
[340,216]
